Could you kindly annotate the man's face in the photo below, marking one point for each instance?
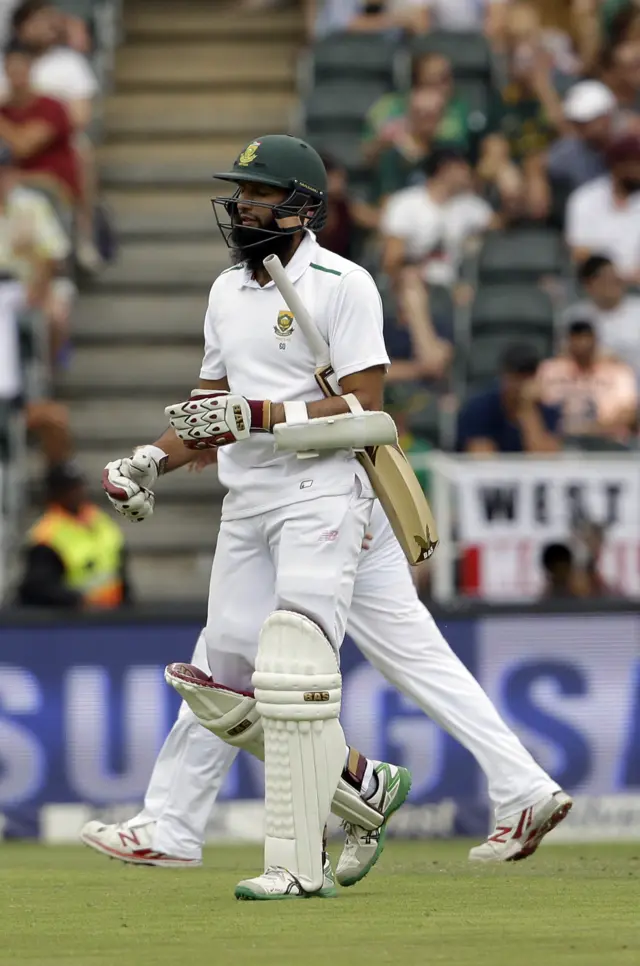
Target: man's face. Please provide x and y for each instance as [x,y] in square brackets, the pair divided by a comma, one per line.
[605,288]
[512,385]
[596,133]
[581,346]
[42,29]
[17,67]
[254,215]
[425,112]
[434,72]
[457,175]
[73,498]
[627,174]
[627,64]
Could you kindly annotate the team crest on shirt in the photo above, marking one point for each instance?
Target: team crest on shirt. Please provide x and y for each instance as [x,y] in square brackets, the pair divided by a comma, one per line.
[284,326]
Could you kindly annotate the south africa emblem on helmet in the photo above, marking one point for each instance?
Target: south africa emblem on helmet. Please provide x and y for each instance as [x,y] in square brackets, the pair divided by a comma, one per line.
[249,153]
[284,326]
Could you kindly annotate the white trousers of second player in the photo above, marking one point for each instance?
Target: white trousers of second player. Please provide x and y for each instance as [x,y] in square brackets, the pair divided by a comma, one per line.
[399,637]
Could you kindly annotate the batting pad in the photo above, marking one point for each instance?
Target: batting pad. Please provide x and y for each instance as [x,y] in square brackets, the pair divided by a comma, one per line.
[298,688]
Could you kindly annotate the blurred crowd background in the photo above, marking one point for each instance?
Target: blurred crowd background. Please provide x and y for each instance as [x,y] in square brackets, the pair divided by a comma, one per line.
[484,162]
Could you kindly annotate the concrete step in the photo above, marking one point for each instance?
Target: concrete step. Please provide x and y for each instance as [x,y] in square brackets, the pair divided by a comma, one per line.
[207,114]
[168,162]
[155,22]
[169,371]
[165,265]
[101,318]
[119,424]
[226,64]
[175,577]
[163,213]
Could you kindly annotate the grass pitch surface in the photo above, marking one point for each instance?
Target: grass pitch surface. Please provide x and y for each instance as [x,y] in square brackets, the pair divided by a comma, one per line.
[423,904]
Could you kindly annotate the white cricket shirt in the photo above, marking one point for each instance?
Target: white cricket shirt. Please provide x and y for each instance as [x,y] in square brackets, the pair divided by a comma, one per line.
[251,339]
[596,222]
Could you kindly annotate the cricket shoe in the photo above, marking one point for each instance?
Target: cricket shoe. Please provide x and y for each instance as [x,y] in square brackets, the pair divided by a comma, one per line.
[277,883]
[132,845]
[363,847]
[520,834]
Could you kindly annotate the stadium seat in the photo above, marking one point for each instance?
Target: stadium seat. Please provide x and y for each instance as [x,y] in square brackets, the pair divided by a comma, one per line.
[521,255]
[425,422]
[358,56]
[516,308]
[469,53]
[345,148]
[335,107]
[488,348]
[477,96]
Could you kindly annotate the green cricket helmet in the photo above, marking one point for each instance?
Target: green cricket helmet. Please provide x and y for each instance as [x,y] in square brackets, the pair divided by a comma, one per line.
[283,162]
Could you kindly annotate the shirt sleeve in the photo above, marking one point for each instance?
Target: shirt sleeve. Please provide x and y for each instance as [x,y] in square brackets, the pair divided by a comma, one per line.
[577,221]
[212,365]
[355,334]
[394,221]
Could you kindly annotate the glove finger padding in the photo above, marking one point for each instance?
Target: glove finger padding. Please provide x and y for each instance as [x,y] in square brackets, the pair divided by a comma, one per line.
[210,419]
[126,496]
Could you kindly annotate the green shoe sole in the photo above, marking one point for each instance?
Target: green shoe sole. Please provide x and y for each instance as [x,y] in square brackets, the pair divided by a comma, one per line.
[405,788]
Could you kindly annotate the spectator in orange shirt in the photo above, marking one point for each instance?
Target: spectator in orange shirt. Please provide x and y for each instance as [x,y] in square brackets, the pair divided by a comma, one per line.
[598,396]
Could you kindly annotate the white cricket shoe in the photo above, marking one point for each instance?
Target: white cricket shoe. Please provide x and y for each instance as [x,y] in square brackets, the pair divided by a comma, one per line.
[277,883]
[131,844]
[520,834]
[363,847]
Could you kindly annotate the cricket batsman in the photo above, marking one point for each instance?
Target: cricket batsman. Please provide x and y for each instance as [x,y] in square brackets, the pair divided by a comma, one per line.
[289,571]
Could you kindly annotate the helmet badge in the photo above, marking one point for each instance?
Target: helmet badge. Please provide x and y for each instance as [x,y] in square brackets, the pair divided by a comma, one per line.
[249,153]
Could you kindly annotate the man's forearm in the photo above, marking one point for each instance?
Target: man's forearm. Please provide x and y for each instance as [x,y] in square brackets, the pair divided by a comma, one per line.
[535,436]
[175,449]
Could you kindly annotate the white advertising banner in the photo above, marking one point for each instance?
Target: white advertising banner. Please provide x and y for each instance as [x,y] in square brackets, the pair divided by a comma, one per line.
[509,509]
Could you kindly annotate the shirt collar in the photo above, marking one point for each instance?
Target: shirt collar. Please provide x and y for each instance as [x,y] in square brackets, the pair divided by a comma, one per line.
[295,268]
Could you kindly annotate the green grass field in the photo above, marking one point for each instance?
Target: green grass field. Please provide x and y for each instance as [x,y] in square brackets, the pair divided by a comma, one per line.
[423,904]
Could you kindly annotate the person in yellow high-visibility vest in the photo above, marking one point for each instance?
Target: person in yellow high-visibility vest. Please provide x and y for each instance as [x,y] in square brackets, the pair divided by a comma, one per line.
[75,553]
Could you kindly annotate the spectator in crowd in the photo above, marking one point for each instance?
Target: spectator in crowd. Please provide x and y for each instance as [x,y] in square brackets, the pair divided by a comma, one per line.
[597,396]
[338,232]
[603,216]
[580,155]
[386,121]
[488,16]
[75,555]
[588,542]
[380,16]
[620,71]
[32,244]
[64,74]
[561,579]
[509,417]
[524,119]
[614,311]
[402,163]
[425,229]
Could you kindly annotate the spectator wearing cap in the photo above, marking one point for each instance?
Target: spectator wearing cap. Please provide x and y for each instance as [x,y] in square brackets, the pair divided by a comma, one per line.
[509,417]
[597,396]
[580,156]
[603,216]
[614,310]
[75,555]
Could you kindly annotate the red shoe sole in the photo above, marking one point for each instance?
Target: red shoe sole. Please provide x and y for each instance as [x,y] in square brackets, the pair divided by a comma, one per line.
[532,844]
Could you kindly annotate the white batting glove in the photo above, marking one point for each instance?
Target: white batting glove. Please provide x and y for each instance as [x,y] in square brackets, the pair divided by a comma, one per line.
[210,419]
[128,483]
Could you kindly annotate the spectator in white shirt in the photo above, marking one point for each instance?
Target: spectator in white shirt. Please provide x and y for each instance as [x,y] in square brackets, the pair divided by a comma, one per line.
[332,16]
[614,311]
[425,229]
[603,216]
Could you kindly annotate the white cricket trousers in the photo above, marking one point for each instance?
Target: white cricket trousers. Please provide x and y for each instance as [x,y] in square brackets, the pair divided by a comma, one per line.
[398,636]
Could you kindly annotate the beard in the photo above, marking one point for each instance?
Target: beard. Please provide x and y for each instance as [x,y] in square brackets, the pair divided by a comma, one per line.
[246,249]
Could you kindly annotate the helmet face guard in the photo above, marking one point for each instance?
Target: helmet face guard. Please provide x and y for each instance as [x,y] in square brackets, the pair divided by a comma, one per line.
[311,210]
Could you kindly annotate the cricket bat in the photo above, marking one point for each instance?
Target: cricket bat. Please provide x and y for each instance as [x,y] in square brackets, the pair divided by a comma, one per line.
[390,472]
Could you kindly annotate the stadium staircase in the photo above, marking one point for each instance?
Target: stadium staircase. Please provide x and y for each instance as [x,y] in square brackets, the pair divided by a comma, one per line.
[194,81]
